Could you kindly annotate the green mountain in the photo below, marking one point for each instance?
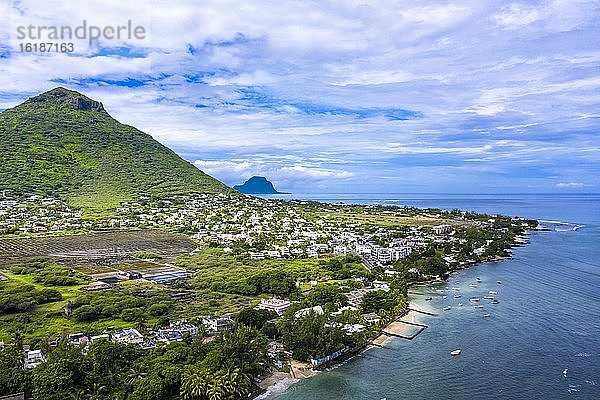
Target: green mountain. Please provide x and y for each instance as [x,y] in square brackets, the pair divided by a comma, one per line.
[65,144]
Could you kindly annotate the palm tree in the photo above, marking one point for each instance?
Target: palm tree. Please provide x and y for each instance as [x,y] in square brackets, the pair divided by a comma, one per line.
[80,394]
[133,376]
[194,384]
[97,392]
[216,390]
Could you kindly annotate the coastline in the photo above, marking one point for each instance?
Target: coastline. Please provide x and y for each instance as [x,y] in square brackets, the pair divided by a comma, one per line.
[407,327]
[278,382]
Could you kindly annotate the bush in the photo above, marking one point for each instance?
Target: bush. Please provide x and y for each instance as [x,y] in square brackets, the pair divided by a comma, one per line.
[133,314]
[86,313]
[159,309]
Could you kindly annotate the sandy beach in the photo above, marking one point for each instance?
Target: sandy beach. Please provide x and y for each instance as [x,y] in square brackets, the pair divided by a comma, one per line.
[277,382]
[400,328]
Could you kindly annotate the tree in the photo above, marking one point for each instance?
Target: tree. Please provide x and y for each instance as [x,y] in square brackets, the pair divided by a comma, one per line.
[13,378]
[328,296]
[194,383]
[254,318]
[376,300]
[86,313]
[57,378]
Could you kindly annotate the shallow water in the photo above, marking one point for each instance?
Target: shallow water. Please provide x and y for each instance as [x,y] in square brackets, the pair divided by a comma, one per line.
[547,319]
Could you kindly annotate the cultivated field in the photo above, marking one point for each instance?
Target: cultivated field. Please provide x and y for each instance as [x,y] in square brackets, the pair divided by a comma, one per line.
[94,247]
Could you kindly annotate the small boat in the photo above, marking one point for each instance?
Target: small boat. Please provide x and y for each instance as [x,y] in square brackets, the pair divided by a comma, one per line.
[473,285]
[478,307]
[460,304]
[457,296]
[440,290]
[486,315]
[565,372]
[455,352]
[428,298]
[446,308]
[474,299]
[456,288]
[499,282]
[493,292]
[488,297]
[478,279]
[444,297]
[495,301]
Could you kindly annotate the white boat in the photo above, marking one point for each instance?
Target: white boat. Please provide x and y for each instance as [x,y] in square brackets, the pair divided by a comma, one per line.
[499,282]
[493,292]
[455,352]
[495,301]
[446,308]
[478,279]
[444,297]
[473,285]
[457,296]
[478,307]
[456,288]
[460,304]
[486,315]
[488,297]
[474,299]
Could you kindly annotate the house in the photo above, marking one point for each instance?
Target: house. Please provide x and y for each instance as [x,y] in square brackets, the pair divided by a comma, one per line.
[305,311]
[127,336]
[256,255]
[381,285]
[353,328]
[33,358]
[371,318]
[277,305]
[98,337]
[185,327]
[355,297]
[399,253]
[363,249]
[442,229]
[216,324]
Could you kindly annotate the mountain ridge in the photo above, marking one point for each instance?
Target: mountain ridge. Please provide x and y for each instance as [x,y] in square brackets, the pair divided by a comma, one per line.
[61,142]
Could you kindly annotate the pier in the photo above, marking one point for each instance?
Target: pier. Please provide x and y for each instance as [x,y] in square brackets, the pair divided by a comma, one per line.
[422,312]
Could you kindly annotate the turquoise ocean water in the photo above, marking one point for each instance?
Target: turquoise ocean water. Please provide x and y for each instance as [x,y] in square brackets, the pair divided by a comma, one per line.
[547,319]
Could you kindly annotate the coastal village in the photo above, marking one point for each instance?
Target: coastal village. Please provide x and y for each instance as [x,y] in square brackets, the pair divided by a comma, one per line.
[387,247]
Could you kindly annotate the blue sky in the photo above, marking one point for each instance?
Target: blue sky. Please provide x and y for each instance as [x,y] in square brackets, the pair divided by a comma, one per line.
[342,96]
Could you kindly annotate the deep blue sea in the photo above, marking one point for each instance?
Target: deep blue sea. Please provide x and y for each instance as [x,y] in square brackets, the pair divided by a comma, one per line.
[547,320]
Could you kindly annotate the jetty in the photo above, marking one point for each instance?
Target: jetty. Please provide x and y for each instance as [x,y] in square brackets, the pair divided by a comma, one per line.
[422,312]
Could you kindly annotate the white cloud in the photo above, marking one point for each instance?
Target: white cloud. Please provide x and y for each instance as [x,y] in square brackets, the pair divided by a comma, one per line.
[268,78]
[570,185]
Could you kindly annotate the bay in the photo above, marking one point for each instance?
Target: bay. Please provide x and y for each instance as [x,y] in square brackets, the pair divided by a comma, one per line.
[547,319]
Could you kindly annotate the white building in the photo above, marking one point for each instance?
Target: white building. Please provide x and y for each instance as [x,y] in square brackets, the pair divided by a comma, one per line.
[216,324]
[316,309]
[442,229]
[277,305]
[127,336]
[33,358]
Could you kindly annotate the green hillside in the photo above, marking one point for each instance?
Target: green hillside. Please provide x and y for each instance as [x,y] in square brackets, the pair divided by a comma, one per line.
[64,144]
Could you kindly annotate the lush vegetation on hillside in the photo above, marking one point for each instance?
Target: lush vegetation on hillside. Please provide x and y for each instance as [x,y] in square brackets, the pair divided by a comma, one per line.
[62,142]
